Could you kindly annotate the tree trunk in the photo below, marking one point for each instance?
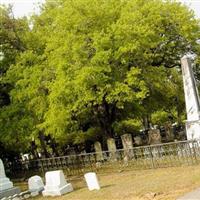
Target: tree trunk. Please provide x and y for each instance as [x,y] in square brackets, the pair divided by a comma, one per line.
[146,122]
[53,146]
[105,115]
[43,145]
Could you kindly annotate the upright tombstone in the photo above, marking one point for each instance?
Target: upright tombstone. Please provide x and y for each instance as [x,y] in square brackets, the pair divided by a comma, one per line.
[35,185]
[191,100]
[127,143]
[169,131]
[138,140]
[112,148]
[98,150]
[6,186]
[92,181]
[154,136]
[56,185]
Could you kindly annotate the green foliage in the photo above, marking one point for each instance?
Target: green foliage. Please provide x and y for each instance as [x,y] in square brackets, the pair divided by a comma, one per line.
[127,126]
[160,117]
[15,123]
[12,37]
[91,69]
[15,126]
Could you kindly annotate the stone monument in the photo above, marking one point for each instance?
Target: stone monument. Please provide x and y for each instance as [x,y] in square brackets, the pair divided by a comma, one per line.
[98,150]
[35,185]
[112,148]
[169,131]
[127,143]
[56,185]
[191,100]
[138,140]
[6,186]
[154,136]
[92,181]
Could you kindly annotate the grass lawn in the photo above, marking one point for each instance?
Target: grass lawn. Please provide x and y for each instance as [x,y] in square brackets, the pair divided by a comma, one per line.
[156,184]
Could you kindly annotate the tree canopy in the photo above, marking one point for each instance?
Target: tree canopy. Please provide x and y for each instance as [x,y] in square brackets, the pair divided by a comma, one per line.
[88,70]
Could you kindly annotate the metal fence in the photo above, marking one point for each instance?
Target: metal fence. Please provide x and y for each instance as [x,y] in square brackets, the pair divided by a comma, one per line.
[144,157]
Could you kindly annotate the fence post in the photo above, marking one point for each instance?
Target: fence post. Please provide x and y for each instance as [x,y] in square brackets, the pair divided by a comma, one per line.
[42,167]
[194,152]
[152,159]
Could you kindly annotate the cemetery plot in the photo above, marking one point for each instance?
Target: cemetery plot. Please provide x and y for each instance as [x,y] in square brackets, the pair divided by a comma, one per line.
[145,157]
[165,184]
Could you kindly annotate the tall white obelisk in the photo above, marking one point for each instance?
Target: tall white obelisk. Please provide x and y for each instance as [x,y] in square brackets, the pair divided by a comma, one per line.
[6,186]
[5,183]
[191,100]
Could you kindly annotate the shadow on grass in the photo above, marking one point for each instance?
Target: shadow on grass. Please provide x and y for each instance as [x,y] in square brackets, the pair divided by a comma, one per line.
[85,187]
[106,186]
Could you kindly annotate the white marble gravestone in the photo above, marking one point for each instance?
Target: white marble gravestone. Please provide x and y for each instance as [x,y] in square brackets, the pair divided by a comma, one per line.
[191,100]
[5,182]
[56,185]
[35,185]
[6,186]
[92,181]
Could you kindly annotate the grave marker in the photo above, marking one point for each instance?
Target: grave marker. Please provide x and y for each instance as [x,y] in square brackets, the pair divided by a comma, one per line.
[92,181]
[154,136]
[191,100]
[98,150]
[56,185]
[138,140]
[127,142]
[112,148]
[35,185]
[6,186]
[169,131]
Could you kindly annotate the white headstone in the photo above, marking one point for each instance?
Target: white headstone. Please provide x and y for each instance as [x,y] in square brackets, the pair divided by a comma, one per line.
[2,170]
[191,100]
[92,181]
[35,185]
[5,182]
[56,184]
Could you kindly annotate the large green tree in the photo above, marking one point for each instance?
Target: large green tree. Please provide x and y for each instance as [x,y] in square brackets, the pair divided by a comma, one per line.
[92,69]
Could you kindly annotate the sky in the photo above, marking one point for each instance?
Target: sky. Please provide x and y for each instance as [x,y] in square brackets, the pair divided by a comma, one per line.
[23,7]
[26,7]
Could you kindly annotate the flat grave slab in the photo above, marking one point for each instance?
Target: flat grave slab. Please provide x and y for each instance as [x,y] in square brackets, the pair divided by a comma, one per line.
[9,192]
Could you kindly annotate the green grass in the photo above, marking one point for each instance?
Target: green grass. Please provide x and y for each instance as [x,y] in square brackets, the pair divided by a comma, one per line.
[165,183]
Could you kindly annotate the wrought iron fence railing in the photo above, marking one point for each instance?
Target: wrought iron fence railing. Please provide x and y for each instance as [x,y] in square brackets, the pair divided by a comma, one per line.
[144,157]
